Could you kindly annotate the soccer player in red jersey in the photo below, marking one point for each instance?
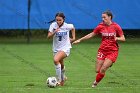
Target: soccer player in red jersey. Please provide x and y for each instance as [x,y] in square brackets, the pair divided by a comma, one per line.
[111,32]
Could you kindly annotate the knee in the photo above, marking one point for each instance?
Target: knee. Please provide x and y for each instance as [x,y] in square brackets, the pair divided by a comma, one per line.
[103,70]
[56,61]
[97,71]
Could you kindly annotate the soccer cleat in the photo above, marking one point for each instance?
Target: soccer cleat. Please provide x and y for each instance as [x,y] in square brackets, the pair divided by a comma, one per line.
[60,83]
[94,84]
[63,81]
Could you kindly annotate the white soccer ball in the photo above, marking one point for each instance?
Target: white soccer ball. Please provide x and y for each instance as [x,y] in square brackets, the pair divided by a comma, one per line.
[51,82]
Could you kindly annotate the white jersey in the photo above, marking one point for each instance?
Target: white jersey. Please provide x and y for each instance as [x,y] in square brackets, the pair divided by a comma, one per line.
[61,39]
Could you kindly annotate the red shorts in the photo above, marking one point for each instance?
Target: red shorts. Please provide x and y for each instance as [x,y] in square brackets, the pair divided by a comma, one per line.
[112,55]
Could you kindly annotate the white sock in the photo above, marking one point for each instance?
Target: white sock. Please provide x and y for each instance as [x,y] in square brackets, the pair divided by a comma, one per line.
[58,72]
[63,74]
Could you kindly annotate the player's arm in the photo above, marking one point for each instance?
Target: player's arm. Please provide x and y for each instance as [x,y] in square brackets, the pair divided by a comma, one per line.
[121,38]
[73,35]
[51,34]
[88,36]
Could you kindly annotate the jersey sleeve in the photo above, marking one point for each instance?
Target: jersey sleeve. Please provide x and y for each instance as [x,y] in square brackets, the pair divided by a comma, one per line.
[70,26]
[119,30]
[97,29]
[51,28]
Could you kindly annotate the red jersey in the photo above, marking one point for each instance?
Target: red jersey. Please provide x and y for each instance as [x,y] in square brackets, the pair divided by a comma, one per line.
[108,35]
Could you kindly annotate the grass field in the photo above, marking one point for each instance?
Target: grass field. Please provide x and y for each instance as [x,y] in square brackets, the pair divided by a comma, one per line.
[24,68]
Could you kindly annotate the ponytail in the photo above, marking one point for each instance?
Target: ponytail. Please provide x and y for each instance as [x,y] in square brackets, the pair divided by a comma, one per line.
[51,21]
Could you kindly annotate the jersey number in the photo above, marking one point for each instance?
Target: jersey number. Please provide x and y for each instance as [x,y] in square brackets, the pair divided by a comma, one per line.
[59,38]
[100,55]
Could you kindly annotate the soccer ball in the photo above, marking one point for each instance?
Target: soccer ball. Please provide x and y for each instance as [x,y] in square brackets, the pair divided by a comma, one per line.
[51,82]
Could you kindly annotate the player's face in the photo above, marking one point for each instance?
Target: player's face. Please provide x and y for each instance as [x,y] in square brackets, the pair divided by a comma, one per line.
[59,20]
[106,19]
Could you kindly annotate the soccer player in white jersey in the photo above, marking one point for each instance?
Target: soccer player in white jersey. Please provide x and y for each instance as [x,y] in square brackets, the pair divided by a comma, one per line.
[59,30]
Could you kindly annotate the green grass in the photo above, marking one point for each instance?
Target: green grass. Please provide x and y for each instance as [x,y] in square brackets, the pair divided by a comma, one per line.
[24,68]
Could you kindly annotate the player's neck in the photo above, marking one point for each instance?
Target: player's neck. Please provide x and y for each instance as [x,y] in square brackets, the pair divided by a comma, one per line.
[61,25]
[109,23]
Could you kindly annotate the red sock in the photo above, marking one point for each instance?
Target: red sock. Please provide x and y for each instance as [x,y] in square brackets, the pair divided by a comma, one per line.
[99,77]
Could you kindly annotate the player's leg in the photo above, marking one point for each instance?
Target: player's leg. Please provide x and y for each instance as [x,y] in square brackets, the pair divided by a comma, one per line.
[60,55]
[99,63]
[106,64]
[109,60]
[98,66]
[63,77]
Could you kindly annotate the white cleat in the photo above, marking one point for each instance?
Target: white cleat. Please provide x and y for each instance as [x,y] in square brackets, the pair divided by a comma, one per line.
[94,84]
